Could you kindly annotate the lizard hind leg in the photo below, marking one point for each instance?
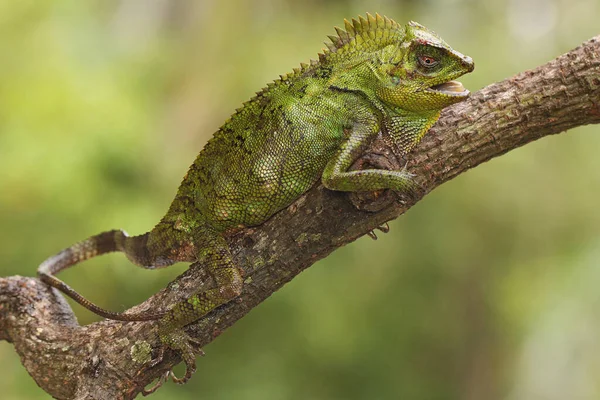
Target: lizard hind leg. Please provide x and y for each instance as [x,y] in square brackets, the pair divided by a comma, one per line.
[213,254]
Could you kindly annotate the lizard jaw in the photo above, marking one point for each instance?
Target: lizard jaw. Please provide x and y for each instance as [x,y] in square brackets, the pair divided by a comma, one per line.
[450,88]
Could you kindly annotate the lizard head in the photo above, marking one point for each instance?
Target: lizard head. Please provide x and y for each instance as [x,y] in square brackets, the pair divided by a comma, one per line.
[406,67]
[418,73]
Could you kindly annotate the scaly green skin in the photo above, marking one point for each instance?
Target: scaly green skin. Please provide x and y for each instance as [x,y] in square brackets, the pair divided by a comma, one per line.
[312,124]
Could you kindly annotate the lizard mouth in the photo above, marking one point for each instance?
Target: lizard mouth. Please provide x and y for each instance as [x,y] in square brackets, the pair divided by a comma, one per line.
[450,88]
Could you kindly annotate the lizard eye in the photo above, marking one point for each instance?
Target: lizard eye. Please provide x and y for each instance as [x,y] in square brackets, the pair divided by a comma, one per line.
[427,61]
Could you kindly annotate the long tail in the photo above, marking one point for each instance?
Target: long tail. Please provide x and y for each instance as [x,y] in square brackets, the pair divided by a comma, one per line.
[106,242]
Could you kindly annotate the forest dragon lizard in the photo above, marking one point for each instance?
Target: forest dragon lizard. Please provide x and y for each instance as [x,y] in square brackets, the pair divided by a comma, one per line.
[308,126]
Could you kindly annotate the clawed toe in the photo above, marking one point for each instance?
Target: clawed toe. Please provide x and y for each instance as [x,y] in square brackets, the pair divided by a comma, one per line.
[188,348]
[163,378]
[159,357]
[197,343]
[385,228]
[189,371]
[183,344]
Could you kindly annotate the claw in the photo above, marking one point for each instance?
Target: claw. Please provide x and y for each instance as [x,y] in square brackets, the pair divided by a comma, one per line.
[184,345]
[404,171]
[372,235]
[163,378]
[197,343]
[385,228]
[190,368]
[188,354]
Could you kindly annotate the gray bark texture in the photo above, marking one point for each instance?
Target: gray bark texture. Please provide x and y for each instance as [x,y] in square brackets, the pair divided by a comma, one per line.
[69,361]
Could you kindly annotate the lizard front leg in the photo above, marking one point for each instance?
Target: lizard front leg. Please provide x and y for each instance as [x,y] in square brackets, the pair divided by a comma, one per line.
[214,254]
[337,177]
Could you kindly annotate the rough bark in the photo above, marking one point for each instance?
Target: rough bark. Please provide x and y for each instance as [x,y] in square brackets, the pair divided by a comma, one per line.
[70,361]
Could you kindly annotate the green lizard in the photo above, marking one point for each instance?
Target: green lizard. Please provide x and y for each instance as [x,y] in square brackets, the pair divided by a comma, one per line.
[375,76]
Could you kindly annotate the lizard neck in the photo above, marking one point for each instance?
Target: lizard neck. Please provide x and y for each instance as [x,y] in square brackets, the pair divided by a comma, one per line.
[403,130]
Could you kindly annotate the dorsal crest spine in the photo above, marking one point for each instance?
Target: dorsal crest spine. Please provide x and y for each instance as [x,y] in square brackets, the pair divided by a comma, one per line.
[375,30]
[362,35]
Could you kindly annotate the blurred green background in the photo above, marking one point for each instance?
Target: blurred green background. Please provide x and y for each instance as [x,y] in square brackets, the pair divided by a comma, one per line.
[487,289]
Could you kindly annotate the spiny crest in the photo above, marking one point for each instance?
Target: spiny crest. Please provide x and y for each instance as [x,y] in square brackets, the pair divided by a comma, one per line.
[364,34]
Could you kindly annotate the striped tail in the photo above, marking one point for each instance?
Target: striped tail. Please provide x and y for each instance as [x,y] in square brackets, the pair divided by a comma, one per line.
[106,242]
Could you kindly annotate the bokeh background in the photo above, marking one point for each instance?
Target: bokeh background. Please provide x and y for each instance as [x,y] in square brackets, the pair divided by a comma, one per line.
[487,289]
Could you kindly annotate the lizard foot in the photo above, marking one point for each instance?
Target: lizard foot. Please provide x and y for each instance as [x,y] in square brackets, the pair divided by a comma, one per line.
[187,347]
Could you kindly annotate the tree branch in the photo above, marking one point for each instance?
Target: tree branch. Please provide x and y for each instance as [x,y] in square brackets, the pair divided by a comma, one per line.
[69,361]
